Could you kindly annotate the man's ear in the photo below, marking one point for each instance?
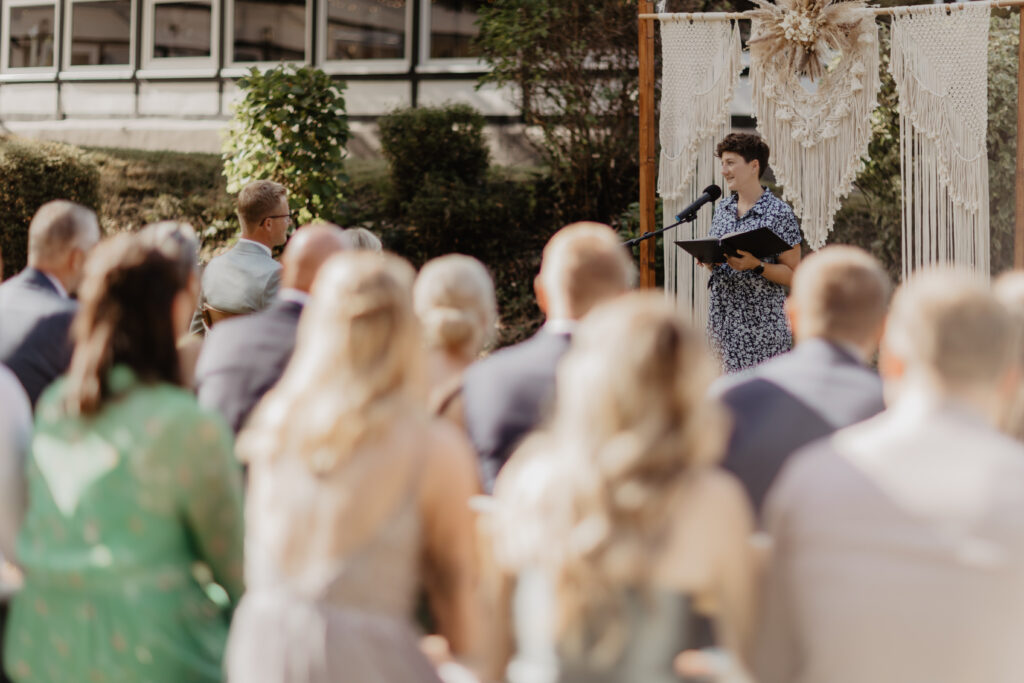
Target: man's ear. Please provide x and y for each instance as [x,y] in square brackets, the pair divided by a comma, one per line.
[890,366]
[541,294]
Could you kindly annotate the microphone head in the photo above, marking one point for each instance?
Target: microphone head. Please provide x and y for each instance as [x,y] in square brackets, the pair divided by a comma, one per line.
[713,191]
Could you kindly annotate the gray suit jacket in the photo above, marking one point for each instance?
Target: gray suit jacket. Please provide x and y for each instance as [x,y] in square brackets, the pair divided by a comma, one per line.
[243,279]
[242,358]
[34,324]
[898,554]
[507,394]
[790,401]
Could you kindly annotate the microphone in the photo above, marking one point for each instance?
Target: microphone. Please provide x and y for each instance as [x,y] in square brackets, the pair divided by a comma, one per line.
[710,194]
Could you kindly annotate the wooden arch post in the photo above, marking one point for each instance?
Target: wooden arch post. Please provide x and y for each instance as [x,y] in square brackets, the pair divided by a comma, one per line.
[648,166]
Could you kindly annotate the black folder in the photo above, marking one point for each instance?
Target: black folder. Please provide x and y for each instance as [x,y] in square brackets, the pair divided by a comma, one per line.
[762,243]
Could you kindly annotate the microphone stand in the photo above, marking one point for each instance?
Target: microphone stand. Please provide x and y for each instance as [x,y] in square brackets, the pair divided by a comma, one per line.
[687,217]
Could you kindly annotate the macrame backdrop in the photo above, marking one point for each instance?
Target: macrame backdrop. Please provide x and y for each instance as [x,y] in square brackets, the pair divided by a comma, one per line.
[817,138]
[940,64]
[701,64]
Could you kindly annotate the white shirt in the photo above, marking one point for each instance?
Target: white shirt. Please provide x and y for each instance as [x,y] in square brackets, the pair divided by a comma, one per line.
[15,435]
[259,244]
[296,296]
[560,325]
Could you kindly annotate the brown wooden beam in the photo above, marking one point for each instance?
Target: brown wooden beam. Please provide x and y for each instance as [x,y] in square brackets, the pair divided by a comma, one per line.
[648,166]
[1018,235]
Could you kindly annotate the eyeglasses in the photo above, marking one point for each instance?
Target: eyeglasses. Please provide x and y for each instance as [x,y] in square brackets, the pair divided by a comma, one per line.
[289,216]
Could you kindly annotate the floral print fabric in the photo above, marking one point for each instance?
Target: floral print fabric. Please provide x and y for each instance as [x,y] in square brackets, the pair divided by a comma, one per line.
[746,322]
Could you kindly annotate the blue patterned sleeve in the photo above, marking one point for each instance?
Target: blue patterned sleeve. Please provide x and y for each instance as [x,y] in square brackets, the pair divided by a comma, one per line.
[786,225]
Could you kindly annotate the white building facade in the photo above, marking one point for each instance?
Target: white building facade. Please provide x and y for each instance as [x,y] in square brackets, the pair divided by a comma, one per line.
[160,74]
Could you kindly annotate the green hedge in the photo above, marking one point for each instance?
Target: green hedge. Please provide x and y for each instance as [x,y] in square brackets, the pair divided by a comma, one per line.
[31,174]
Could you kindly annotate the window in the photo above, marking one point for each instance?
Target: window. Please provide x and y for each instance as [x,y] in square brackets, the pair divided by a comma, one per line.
[269,31]
[452,28]
[30,31]
[101,33]
[365,29]
[182,30]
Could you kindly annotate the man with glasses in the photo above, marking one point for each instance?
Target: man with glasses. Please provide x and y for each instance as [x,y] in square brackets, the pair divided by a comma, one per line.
[246,278]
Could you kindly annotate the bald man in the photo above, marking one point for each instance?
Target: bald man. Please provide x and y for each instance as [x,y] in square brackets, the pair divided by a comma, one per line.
[243,357]
[36,307]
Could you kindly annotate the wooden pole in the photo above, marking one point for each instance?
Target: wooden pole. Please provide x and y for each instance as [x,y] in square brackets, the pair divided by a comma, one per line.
[1018,235]
[648,168]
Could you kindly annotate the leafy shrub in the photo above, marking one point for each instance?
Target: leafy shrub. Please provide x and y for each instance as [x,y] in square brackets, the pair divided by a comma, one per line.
[574,62]
[31,174]
[445,143]
[291,127]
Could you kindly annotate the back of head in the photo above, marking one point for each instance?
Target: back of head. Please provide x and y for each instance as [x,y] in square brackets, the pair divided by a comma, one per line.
[454,299]
[631,423]
[583,264]
[947,327]
[257,201]
[125,319]
[307,250]
[841,294]
[58,227]
[364,239]
[177,241]
[355,365]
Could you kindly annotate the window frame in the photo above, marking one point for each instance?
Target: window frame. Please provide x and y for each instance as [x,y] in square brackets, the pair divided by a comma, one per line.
[364,66]
[71,71]
[233,68]
[428,64]
[28,72]
[176,66]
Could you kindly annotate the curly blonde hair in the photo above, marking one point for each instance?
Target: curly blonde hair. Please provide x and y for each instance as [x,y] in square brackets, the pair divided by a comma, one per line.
[355,369]
[631,424]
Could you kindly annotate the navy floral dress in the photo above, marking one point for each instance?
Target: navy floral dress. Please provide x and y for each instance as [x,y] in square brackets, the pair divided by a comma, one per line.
[746,322]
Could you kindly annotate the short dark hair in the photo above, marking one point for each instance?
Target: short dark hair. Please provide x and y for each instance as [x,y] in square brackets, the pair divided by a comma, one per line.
[750,146]
[124,319]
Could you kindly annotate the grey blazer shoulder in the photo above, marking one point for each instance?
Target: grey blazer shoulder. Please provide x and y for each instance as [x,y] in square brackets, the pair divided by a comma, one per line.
[34,326]
[790,401]
[243,357]
[241,280]
[506,395]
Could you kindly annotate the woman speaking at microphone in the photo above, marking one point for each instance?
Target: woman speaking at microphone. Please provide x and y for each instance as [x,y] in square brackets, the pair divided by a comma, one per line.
[746,321]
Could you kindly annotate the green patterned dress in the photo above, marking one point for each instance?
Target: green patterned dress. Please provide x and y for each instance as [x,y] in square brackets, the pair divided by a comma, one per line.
[128,509]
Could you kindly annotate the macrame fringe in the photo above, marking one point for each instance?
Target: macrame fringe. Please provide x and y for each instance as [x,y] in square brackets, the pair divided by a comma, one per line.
[817,140]
[939,64]
[701,66]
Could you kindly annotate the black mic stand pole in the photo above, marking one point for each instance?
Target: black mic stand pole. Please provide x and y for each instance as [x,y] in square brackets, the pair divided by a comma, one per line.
[688,217]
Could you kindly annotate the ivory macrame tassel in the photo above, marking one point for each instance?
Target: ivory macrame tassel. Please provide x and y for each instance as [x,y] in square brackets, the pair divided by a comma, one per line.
[701,64]
[940,64]
[817,138]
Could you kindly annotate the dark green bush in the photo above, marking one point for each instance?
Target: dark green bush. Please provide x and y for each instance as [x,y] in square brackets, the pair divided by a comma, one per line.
[445,143]
[31,174]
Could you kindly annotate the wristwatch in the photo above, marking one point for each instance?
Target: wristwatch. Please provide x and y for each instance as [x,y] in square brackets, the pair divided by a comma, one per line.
[759,270]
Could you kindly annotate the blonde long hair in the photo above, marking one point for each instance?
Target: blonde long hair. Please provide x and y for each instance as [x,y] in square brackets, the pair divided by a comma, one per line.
[631,424]
[355,368]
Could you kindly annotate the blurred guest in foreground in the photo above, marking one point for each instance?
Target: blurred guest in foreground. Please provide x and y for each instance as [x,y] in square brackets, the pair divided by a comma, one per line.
[245,278]
[899,542]
[617,528]
[178,242]
[245,356]
[508,393]
[454,299]
[836,310]
[1010,290]
[35,305]
[130,485]
[364,239]
[356,496]
[15,434]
